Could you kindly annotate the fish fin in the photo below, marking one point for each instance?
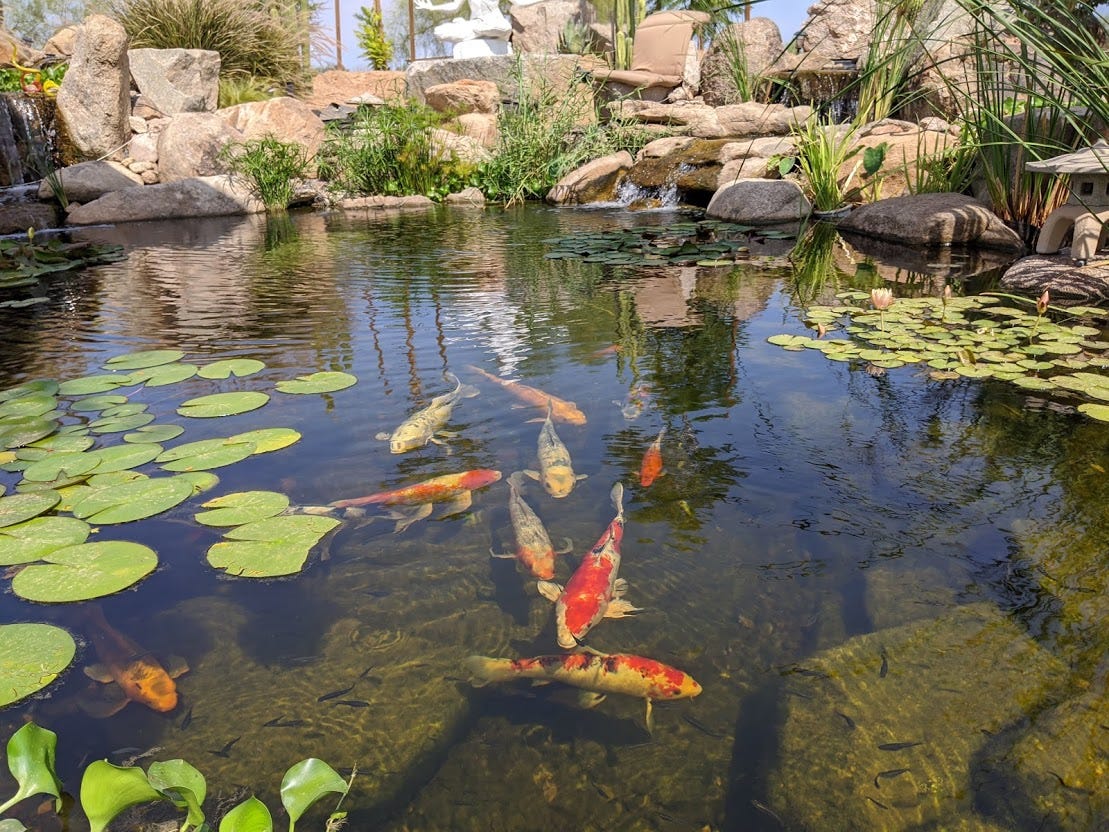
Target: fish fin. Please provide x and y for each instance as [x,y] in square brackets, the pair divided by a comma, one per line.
[101,703]
[381,436]
[617,495]
[468,391]
[484,670]
[407,518]
[530,473]
[549,590]
[581,476]
[619,608]
[458,505]
[516,479]
[176,666]
[585,648]
[590,699]
[99,673]
[319,510]
[538,683]
[447,434]
[619,587]
[506,556]
[568,548]
[650,717]
[354,513]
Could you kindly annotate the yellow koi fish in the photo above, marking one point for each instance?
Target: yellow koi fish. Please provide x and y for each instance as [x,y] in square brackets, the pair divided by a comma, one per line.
[425,425]
[533,545]
[564,411]
[556,472]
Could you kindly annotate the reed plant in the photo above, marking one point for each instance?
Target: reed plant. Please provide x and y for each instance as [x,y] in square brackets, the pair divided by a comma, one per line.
[884,70]
[241,89]
[270,167]
[749,85]
[824,152]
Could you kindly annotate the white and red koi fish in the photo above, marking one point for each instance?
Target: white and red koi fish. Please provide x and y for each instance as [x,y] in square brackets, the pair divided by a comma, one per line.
[425,425]
[651,467]
[595,672]
[564,411]
[453,490]
[533,545]
[634,402]
[594,591]
[556,472]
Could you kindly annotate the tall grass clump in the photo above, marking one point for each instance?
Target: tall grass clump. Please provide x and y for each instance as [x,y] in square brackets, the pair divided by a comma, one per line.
[259,38]
[749,85]
[823,153]
[270,167]
[884,70]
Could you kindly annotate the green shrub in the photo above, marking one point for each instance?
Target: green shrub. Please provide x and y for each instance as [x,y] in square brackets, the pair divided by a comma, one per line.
[241,89]
[370,33]
[270,167]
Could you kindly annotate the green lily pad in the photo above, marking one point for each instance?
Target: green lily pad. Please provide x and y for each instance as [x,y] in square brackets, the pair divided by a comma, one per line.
[132,500]
[205,454]
[42,385]
[124,457]
[30,541]
[60,465]
[317,383]
[223,404]
[153,433]
[26,432]
[267,439]
[92,384]
[142,360]
[32,656]
[231,367]
[20,507]
[96,403]
[270,548]
[242,507]
[201,481]
[1095,411]
[110,478]
[35,404]
[1032,383]
[121,424]
[62,443]
[119,410]
[788,340]
[89,570]
[165,374]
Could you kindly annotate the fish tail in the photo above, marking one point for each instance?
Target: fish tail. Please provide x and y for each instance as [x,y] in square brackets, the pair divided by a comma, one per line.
[516,480]
[618,498]
[484,670]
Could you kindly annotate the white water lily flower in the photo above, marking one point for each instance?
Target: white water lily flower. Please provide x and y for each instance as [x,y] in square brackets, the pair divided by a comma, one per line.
[881,299]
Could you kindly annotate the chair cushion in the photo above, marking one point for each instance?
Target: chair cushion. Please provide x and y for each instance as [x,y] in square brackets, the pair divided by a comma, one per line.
[661,46]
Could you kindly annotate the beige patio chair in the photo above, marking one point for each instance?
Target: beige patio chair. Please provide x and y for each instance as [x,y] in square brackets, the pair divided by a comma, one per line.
[665,56]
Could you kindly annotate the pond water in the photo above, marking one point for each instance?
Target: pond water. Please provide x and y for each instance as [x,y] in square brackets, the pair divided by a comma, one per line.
[891,589]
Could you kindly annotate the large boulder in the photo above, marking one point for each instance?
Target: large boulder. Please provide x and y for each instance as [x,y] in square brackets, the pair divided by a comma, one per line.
[837,30]
[208,196]
[750,46]
[538,27]
[191,145]
[931,220]
[1059,275]
[594,181]
[465,96]
[288,119]
[17,217]
[760,202]
[177,80]
[87,181]
[62,42]
[94,102]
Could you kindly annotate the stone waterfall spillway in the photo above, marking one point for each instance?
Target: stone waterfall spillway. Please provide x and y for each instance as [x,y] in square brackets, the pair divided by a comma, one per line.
[25,154]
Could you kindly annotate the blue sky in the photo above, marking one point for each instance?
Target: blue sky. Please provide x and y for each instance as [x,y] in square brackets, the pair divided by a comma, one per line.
[788,14]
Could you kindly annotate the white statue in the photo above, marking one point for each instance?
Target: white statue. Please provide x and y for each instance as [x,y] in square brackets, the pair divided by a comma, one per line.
[485,33]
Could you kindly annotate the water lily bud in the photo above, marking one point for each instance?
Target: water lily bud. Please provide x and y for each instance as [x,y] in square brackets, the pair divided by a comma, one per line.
[1041,304]
[881,299]
[947,293]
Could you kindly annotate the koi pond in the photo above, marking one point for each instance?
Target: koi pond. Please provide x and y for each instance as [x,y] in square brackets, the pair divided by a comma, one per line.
[886,571]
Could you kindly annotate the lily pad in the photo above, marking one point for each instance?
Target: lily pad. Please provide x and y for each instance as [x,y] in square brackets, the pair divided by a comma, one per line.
[97,403]
[1095,411]
[267,439]
[26,432]
[62,443]
[31,657]
[205,454]
[223,404]
[242,507]
[132,500]
[121,424]
[327,382]
[270,548]
[20,507]
[56,466]
[231,367]
[92,384]
[42,385]
[124,457]
[35,404]
[119,410]
[164,374]
[90,570]
[153,433]
[31,540]
[201,481]
[142,360]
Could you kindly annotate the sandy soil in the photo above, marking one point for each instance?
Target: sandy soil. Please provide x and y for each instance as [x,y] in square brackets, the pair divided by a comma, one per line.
[337,86]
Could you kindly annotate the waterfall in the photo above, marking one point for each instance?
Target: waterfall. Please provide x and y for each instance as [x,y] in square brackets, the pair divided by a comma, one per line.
[25,154]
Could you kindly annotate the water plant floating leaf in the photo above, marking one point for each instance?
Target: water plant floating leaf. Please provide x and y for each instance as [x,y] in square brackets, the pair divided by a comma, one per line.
[325,382]
[31,752]
[154,433]
[201,481]
[33,404]
[134,500]
[270,548]
[86,571]
[59,465]
[20,507]
[1095,411]
[123,457]
[205,454]
[121,424]
[31,657]
[97,403]
[142,360]
[41,385]
[267,439]
[92,384]
[16,434]
[305,783]
[223,404]
[242,507]
[107,790]
[183,784]
[33,539]
[231,367]
[164,374]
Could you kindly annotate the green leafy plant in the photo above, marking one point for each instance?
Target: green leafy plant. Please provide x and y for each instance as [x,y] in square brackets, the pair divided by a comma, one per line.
[576,38]
[823,151]
[884,69]
[626,16]
[372,40]
[31,762]
[270,167]
[240,88]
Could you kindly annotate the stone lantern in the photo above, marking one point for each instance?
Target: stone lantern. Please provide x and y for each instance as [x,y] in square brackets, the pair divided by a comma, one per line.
[1087,207]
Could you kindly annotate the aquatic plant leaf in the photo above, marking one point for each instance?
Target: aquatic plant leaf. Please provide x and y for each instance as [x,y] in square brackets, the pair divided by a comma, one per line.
[31,540]
[92,384]
[305,783]
[119,410]
[328,382]
[223,404]
[1032,383]
[205,454]
[201,481]
[24,433]
[270,548]
[41,385]
[20,507]
[242,507]
[164,375]
[63,443]
[134,500]
[31,657]
[89,570]
[787,340]
[11,824]
[249,816]
[142,360]
[97,403]
[153,433]
[122,424]
[181,783]
[107,790]
[35,404]
[1095,411]
[124,457]
[231,367]
[31,761]
[267,439]
[56,466]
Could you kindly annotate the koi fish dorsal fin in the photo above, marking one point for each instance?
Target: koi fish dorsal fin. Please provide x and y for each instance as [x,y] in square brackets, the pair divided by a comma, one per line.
[176,666]
[617,495]
[99,673]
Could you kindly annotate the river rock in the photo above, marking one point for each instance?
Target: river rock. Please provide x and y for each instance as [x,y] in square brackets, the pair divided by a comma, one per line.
[17,217]
[208,196]
[933,219]
[177,80]
[94,101]
[87,181]
[286,118]
[904,747]
[1059,275]
[594,181]
[467,197]
[538,27]
[191,145]
[61,43]
[760,202]
[752,44]
[465,96]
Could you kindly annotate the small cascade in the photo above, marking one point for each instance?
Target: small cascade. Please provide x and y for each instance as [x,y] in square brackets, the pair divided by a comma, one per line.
[25,138]
[638,197]
[831,89]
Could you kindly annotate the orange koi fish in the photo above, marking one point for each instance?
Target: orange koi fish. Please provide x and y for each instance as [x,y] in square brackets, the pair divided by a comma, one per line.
[533,545]
[131,672]
[651,467]
[454,490]
[563,410]
[594,591]
[595,672]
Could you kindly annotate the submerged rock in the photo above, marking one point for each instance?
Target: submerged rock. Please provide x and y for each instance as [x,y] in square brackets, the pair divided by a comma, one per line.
[594,181]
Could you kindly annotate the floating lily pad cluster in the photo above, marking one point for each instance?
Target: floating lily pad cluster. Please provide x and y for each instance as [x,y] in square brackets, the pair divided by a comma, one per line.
[22,262]
[982,336]
[702,243]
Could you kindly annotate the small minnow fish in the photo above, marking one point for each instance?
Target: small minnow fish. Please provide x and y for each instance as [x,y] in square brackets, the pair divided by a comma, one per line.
[226,750]
[425,425]
[187,719]
[281,722]
[564,411]
[556,472]
[533,545]
[335,694]
[848,721]
[877,803]
[704,729]
[885,668]
[883,775]
[594,591]
[352,703]
[766,810]
[453,490]
[596,672]
[650,469]
[897,746]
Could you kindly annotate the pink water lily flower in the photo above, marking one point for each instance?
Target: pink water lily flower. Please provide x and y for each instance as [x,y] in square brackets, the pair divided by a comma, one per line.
[881,299]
